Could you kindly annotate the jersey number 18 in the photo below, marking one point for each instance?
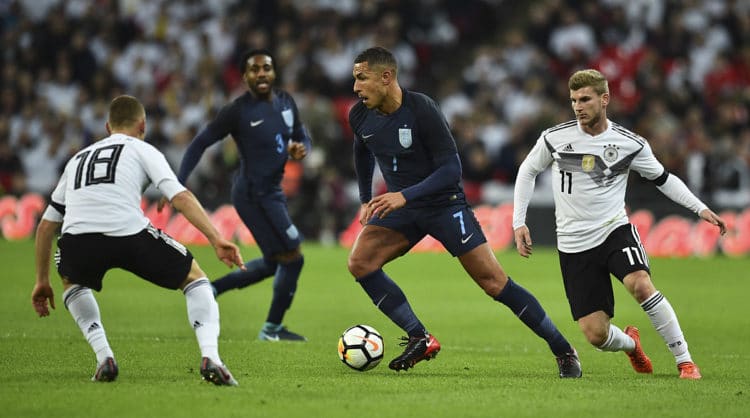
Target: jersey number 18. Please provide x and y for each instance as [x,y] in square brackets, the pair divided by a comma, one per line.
[100,168]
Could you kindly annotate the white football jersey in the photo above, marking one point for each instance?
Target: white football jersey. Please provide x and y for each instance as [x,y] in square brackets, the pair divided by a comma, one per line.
[101,188]
[589,178]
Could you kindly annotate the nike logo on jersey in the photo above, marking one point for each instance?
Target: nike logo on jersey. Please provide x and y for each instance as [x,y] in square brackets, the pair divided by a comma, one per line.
[465,240]
[254,123]
[367,136]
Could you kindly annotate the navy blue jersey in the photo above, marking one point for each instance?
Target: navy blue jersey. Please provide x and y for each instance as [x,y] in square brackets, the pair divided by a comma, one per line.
[261,130]
[414,149]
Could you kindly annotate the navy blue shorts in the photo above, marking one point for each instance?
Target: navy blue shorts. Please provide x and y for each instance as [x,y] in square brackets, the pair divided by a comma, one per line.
[150,254]
[455,226]
[586,275]
[267,218]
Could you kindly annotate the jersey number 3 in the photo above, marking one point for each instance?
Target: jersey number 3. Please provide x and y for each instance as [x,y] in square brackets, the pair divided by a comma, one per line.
[100,168]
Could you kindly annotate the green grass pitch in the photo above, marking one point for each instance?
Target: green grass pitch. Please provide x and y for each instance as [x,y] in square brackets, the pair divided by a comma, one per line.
[490,364]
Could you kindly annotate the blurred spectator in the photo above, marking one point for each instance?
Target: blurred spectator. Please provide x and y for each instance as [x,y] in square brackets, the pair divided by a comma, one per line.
[728,174]
[390,34]
[475,160]
[42,160]
[679,70]
[572,37]
[81,58]
[61,92]
[12,174]
[455,102]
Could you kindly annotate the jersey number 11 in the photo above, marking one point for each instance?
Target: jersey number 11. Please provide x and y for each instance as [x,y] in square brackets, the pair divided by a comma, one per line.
[563,174]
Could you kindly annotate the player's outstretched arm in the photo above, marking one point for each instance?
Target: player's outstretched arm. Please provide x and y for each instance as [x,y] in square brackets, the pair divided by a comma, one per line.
[186,202]
[675,189]
[709,216]
[523,240]
[42,297]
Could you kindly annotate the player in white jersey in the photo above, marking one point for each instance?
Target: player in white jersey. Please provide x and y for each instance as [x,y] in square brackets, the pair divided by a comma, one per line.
[590,159]
[97,202]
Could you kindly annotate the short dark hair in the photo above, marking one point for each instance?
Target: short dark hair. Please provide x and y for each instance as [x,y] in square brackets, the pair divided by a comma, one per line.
[377,55]
[124,112]
[253,52]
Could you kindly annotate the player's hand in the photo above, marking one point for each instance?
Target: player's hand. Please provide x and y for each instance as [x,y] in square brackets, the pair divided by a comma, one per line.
[709,216]
[364,213]
[40,296]
[229,254]
[386,203]
[162,202]
[523,241]
[296,150]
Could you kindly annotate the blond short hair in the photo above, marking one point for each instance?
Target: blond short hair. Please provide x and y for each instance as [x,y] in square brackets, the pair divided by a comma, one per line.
[589,78]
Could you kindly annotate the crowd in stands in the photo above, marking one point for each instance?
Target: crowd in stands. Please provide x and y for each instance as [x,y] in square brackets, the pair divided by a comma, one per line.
[679,74]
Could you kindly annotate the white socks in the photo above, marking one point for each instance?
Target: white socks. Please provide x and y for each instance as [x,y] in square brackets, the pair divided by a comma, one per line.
[82,305]
[617,341]
[202,309]
[203,314]
[664,320]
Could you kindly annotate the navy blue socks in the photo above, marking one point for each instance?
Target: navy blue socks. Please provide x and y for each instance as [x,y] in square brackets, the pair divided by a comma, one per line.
[284,286]
[257,270]
[389,298]
[525,306]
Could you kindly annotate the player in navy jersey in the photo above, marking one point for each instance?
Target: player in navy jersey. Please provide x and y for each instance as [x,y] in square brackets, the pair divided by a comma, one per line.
[590,159]
[408,136]
[97,204]
[265,125]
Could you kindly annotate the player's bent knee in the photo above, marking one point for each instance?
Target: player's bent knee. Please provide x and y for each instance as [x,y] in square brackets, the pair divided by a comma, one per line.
[289,257]
[67,283]
[492,283]
[639,285]
[594,336]
[596,333]
[359,267]
[194,274]
[596,339]
[354,267]
[492,288]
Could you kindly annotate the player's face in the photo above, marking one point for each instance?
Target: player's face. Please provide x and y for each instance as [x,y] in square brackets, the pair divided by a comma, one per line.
[368,85]
[588,106]
[260,75]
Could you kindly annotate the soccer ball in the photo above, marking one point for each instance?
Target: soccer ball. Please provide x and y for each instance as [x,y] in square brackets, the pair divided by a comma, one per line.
[361,347]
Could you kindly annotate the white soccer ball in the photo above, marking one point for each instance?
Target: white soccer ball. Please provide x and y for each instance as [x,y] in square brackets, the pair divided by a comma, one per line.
[361,347]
